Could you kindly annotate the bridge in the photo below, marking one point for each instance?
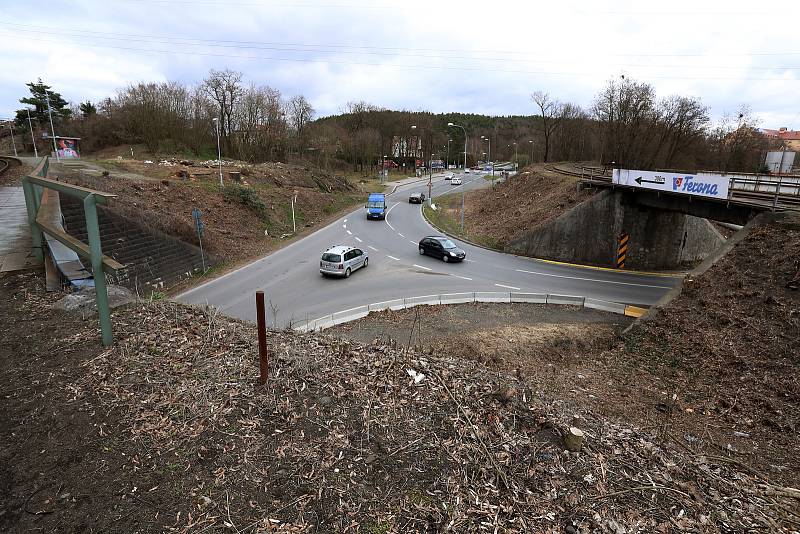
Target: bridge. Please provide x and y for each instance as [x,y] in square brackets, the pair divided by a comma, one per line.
[748,194]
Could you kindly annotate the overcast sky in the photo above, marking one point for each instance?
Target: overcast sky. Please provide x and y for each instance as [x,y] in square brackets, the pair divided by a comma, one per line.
[473,57]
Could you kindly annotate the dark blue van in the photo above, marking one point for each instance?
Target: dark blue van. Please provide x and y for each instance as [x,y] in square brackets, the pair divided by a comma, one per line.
[376,206]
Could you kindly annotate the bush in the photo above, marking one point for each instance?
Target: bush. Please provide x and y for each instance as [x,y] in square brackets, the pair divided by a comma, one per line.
[247,198]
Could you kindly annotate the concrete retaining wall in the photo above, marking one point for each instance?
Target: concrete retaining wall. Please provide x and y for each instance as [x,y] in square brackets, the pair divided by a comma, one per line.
[153,261]
[588,233]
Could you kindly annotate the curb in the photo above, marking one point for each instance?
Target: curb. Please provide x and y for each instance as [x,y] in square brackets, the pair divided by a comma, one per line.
[359,312]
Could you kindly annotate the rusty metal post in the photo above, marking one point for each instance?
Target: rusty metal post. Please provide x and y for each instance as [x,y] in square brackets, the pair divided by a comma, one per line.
[262,337]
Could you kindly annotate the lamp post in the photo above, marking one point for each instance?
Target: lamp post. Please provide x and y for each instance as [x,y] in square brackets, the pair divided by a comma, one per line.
[515,154]
[215,120]
[447,159]
[490,152]
[384,172]
[430,171]
[450,124]
[13,142]
[531,142]
[52,128]
[33,137]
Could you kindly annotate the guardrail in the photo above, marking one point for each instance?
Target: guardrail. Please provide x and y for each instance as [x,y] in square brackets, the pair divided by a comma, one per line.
[352,314]
[772,192]
[33,186]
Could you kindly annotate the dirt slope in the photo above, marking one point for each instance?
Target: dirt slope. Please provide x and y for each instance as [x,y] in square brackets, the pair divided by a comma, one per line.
[728,349]
[520,204]
[167,431]
[242,221]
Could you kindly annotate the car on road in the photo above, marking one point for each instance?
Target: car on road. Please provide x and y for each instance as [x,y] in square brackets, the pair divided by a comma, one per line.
[416,198]
[342,260]
[441,247]
[376,206]
[466,171]
[455,181]
[449,176]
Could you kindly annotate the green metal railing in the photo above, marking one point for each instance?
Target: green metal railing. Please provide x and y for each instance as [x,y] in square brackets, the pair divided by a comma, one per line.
[33,186]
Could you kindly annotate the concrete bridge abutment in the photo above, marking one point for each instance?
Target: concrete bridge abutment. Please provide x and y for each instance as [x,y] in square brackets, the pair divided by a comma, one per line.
[589,233]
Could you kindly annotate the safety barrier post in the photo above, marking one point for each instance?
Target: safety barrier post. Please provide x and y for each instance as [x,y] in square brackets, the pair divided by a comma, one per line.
[100,290]
[36,233]
[261,319]
[622,250]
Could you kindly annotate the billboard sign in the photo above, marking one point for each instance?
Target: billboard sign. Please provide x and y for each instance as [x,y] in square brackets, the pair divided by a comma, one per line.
[702,184]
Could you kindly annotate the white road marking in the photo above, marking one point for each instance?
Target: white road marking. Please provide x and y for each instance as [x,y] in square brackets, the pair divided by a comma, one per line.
[359,240]
[372,248]
[412,241]
[459,276]
[471,261]
[344,220]
[591,279]
[395,259]
[349,232]
[508,287]
[421,267]
[344,226]
[401,235]
[386,218]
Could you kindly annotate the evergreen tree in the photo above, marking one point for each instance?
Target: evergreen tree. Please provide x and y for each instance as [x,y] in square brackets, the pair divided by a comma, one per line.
[38,99]
[88,109]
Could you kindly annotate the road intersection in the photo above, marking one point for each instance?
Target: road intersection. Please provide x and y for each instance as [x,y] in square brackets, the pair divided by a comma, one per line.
[297,293]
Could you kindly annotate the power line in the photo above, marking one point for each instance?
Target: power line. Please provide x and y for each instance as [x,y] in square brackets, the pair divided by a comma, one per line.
[117,35]
[415,67]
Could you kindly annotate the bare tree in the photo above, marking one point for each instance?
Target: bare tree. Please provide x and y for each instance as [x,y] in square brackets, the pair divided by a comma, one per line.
[552,114]
[224,88]
[626,111]
[300,114]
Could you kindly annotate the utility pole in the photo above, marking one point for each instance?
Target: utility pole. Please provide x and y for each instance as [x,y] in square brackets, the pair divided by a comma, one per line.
[14,143]
[33,137]
[52,128]
[215,120]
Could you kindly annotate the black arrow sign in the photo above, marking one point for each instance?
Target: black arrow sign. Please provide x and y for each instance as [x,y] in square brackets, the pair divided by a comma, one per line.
[639,181]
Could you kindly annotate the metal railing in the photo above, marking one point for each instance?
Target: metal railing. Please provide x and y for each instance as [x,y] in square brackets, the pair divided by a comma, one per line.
[764,191]
[352,314]
[33,186]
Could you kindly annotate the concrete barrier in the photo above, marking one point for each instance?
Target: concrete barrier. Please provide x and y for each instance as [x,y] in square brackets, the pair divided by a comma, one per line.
[359,312]
[492,296]
[457,298]
[396,304]
[536,298]
[350,317]
[571,300]
[424,299]
[604,305]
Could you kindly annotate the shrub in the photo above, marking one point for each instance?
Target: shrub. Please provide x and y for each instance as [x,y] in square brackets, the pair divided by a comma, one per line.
[246,197]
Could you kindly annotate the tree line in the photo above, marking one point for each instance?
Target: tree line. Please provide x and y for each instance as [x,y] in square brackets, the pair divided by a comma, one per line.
[627,125]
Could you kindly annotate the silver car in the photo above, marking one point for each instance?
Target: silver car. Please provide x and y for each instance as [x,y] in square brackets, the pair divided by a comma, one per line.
[341,260]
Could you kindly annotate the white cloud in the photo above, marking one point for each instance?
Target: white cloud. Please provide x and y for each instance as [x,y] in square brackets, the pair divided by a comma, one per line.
[465,56]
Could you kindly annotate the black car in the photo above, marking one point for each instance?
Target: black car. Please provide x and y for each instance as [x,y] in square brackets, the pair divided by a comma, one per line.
[441,247]
[416,198]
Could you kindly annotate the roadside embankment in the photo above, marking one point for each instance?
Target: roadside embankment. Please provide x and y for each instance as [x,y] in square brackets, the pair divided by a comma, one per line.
[168,430]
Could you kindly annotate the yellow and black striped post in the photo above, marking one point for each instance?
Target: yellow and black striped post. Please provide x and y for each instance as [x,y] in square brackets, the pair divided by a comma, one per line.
[622,250]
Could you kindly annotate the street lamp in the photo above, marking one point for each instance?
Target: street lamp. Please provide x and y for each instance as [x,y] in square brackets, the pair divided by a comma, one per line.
[215,120]
[33,137]
[11,127]
[531,142]
[384,172]
[430,170]
[447,159]
[52,128]
[451,125]
[490,152]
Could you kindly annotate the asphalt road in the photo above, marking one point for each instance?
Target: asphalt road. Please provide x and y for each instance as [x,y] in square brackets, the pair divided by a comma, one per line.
[296,292]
